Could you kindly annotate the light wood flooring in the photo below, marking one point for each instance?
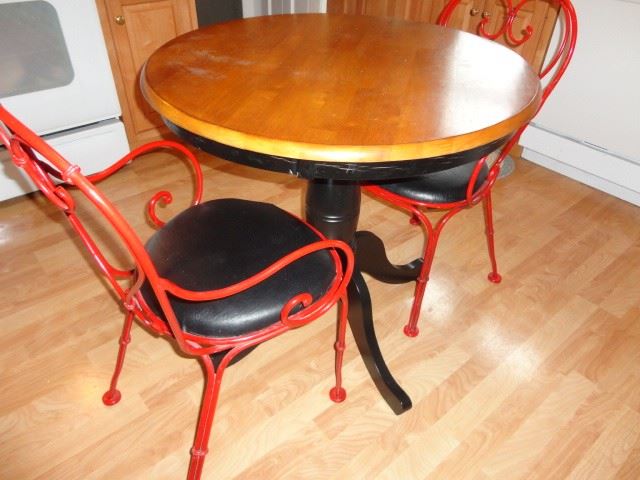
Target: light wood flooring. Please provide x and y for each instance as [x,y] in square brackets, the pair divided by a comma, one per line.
[538,377]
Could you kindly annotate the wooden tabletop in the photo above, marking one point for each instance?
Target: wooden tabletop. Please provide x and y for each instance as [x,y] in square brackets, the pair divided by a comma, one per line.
[341,88]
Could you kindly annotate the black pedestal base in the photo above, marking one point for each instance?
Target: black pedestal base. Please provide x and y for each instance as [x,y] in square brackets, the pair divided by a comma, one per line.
[361,323]
[372,259]
[333,207]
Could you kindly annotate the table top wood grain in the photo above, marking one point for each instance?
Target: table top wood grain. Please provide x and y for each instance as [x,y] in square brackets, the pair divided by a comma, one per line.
[341,88]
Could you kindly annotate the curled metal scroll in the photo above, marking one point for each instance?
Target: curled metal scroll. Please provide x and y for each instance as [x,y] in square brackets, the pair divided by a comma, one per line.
[506,29]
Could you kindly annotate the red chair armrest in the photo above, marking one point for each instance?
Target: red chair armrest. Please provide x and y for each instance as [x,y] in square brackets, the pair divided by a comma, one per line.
[162,197]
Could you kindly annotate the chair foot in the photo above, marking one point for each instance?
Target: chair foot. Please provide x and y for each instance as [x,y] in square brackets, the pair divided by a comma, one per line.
[494,277]
[338,394]
[411,331]
[111,397]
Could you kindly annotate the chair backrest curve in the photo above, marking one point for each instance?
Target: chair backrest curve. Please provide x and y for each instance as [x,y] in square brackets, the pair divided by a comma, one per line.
[556,65]
[53,174]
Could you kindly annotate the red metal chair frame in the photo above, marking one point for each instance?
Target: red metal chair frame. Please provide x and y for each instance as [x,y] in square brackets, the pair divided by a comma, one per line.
[22,143]
[556,66]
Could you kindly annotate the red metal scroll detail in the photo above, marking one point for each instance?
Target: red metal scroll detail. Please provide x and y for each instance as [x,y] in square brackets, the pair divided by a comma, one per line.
[160,197]
[556,67]
[506,29]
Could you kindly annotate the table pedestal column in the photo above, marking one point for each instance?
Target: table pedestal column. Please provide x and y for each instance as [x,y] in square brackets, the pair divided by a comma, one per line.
[333,207]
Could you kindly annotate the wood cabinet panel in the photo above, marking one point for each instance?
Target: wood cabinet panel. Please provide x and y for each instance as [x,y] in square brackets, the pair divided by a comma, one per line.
[346,6]
[417,10]
[466,16]
[134,29]
[388,8]
[421,11]
[382,8]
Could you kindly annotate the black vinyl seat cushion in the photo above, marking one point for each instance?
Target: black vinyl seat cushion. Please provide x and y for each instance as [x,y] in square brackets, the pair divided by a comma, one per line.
[222,242]
[445,186]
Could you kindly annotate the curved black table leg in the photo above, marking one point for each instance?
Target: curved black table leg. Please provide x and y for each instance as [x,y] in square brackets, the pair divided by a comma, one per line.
[361,323]
[372,259]
[333,207]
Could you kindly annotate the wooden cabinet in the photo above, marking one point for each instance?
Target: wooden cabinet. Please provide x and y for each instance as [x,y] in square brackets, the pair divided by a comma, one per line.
[467,16]
[133,30]
[415,10]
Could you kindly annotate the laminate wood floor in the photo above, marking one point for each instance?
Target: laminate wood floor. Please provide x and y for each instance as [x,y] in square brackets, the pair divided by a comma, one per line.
[537,377]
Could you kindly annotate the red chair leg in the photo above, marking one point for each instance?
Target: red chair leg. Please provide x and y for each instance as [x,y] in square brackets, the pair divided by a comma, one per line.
[493,276]
[411,328]
[113,395]
[205,420]
[338,393]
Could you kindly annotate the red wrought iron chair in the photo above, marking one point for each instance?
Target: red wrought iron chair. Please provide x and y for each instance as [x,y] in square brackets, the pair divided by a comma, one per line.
[218,279]
[452,190]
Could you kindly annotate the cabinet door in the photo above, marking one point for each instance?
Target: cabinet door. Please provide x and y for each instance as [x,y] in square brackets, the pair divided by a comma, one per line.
[387,8]
[466,16]
[422,10]
[346,6]
[138,28]
[418,10]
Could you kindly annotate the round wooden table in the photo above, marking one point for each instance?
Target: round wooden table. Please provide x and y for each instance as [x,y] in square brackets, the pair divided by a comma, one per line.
[341,99]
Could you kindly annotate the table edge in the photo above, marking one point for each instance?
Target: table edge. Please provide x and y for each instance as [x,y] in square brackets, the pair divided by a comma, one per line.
[338,153]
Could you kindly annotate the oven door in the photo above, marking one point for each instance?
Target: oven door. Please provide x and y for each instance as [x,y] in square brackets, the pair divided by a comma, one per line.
[55,69]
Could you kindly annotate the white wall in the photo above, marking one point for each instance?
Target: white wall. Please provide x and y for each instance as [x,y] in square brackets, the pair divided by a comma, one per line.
[598,98]
[253,8]
[589,129]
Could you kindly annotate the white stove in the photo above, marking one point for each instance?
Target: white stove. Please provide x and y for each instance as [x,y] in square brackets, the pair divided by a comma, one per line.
[55,76]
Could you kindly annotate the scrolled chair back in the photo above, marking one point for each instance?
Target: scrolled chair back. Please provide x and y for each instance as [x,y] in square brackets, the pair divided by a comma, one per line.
[551,70]
[54,175]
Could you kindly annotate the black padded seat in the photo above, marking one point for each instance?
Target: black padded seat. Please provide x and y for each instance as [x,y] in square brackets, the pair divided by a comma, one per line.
[445,186]
[222,242]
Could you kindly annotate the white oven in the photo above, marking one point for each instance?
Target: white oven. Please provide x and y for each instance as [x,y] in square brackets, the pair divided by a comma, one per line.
[55,76]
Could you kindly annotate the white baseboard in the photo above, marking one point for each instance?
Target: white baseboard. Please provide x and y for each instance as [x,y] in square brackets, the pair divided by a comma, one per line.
[612,174]
[93,148]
